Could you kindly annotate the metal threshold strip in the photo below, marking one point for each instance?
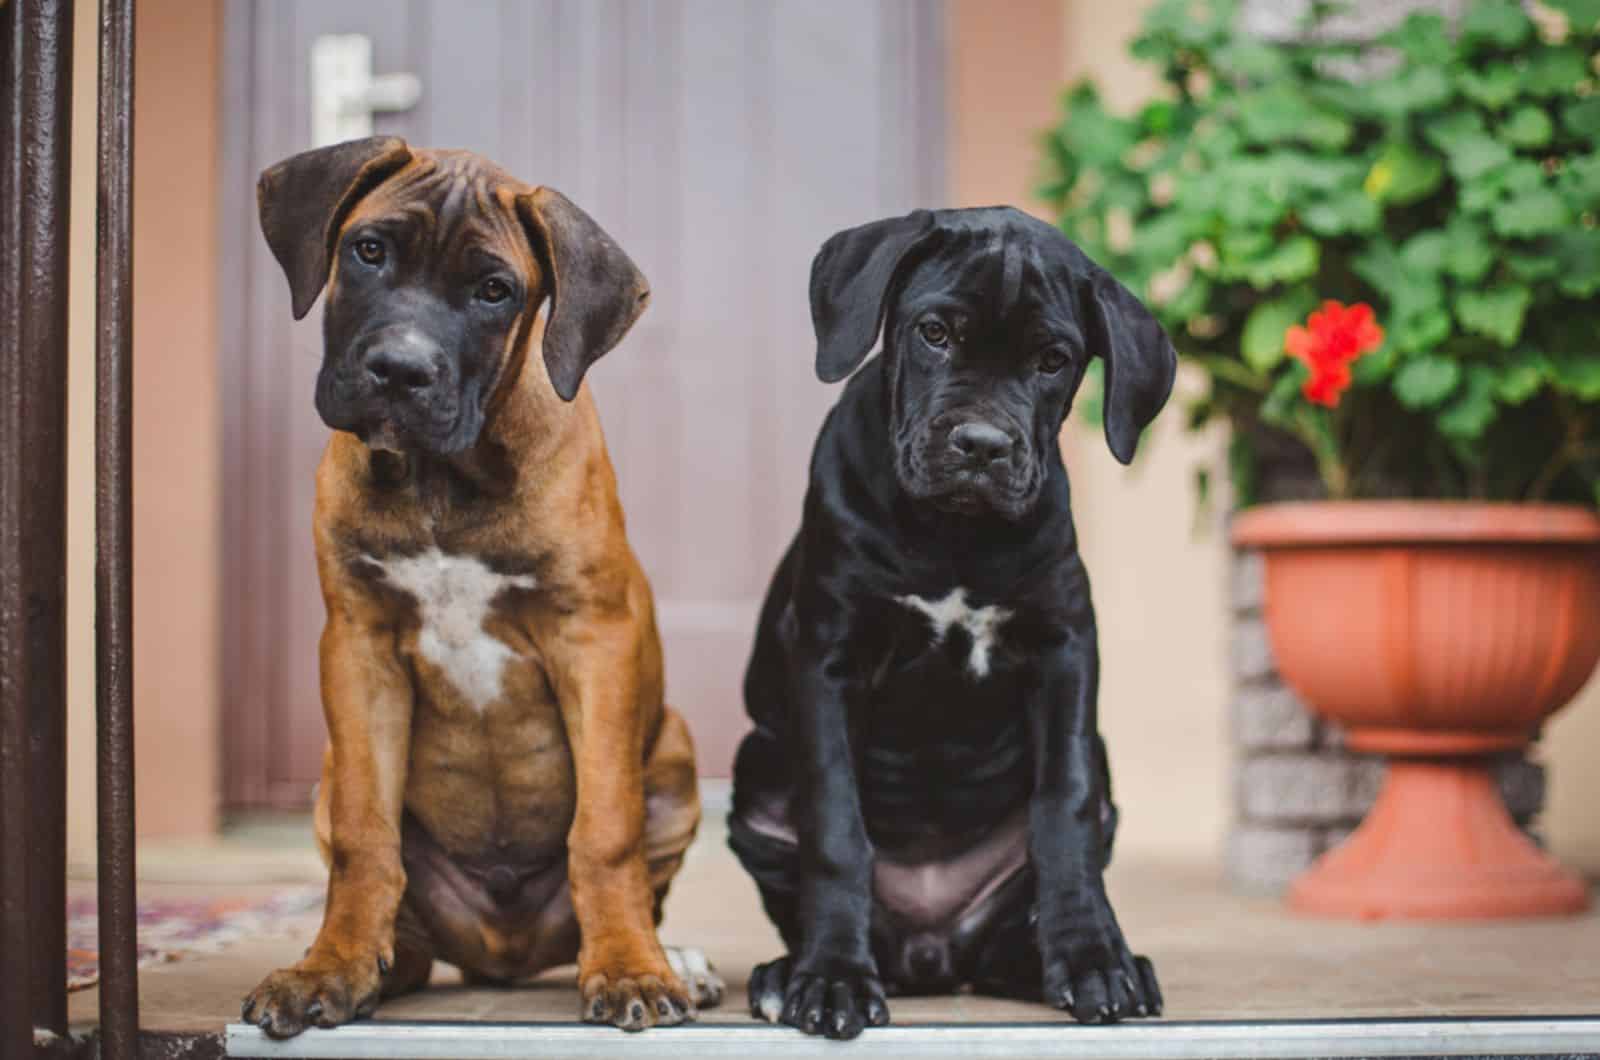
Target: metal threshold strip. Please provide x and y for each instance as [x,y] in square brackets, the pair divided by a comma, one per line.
[1285,1039]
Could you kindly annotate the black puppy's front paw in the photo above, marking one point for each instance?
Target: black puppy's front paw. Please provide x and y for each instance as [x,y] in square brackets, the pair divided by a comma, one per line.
[837,1002]
[1099,980]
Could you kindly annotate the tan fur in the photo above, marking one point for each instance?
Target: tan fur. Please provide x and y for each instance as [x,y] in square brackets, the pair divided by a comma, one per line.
[576,762]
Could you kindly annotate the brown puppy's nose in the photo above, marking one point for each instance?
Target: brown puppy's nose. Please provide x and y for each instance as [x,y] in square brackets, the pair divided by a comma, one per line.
[401,367]
[981,444]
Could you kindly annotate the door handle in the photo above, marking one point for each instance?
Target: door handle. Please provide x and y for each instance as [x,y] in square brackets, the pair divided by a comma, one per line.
[345,94]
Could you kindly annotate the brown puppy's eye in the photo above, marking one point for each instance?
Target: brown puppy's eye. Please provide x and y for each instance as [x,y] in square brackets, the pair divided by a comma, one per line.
[494,291]
[370,251]
[934,333]
[1052,361]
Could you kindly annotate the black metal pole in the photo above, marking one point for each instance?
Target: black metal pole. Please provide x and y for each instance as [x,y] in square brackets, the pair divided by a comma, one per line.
[113,507]
[34,194]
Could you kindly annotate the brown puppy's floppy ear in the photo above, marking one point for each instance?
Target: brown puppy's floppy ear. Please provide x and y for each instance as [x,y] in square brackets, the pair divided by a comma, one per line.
[304,200]
[1140,360]
[850,278]
[596,291]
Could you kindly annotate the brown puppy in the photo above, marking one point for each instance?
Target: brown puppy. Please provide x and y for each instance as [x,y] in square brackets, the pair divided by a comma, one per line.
[503,788]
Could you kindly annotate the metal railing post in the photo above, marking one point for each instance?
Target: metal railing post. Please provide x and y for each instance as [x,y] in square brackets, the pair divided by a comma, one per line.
[113,577]
[35,152]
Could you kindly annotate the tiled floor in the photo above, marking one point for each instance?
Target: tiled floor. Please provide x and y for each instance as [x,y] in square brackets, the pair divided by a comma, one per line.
[1219,956]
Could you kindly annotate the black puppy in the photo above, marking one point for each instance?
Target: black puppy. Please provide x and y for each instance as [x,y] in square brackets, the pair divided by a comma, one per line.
[924,801]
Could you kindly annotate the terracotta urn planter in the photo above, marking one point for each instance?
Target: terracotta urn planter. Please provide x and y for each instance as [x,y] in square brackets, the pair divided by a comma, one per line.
[1436,633]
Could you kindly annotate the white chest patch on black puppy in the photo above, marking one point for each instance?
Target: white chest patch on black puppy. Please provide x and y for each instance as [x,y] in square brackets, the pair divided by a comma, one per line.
[454,595]
[981,623]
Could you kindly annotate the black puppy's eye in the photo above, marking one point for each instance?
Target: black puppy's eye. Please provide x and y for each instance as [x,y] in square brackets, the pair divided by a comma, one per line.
[370,251]
[1053,360]
[934,333]
[494,291]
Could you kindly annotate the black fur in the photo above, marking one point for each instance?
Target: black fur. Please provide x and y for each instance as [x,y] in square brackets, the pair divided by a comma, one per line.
[874,739]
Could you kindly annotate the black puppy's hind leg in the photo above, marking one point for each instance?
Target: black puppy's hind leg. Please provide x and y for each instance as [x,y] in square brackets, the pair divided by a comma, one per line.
[1108,807]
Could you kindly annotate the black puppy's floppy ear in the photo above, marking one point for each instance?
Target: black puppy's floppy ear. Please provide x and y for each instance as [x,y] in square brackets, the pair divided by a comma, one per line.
[304,200]
[850,278]
[1140,361]
[596,291]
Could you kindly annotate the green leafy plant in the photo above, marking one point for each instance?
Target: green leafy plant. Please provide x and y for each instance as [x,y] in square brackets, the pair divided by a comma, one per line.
[1447,175]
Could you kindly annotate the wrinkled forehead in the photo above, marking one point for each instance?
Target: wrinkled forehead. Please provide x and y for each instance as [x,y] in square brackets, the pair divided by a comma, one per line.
[450,208]
[996,276]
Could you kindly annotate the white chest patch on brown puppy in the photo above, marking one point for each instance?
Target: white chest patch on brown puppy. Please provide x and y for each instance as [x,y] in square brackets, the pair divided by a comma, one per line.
[982,624]
[454,595]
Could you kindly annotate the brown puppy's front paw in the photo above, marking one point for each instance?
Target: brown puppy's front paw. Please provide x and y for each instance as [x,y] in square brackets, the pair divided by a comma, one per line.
[314,994]
[698,973]
[636,999]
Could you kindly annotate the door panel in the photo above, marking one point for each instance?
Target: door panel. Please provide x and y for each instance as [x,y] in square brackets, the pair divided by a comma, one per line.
[720,143]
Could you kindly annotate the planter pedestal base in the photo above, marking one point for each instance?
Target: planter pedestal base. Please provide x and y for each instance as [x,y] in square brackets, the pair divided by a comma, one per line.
[1438,844]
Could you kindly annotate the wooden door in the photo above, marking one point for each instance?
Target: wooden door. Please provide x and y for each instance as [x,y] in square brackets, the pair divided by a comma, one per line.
[720,142]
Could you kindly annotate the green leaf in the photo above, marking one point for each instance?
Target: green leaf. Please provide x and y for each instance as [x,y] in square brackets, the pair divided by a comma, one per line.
[1423,382]
[1261,343]
[1554,71]
[1293,259]
[1376,366]
[1468,251]
[1520,380]
[1251,59]
[1162,239]
[1189,302]
[1424,331]
[1412,89]
[1528,127]
[1582,118]
[1088,133]
[1577,373]
[1448,130]
[1474,155]
[1495,313]
[1407,290]
[1470,414]
[1426,250]
[1532,267]
[1532,213]
[1352,211]
[1577,254]
[1497,22]
[1401,174]
[1424,37]
[1580,181]
[1492,88]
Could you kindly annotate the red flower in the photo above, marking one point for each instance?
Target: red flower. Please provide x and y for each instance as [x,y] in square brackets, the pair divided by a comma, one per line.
[1333,338]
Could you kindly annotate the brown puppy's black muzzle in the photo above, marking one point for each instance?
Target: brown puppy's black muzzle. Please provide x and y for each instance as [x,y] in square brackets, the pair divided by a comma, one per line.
[404,368]
[395,386]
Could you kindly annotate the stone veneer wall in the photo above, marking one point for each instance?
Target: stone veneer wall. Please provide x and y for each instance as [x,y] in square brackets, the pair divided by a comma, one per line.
[1297,790]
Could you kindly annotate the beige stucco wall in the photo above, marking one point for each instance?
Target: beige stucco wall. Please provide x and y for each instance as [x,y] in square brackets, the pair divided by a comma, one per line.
[176,426]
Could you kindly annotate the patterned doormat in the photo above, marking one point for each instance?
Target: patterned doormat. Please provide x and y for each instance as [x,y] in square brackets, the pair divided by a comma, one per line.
[168,929]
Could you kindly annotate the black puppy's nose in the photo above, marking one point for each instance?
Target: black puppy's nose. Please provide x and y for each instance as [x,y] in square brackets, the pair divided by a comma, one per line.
[401,366]
[981,443]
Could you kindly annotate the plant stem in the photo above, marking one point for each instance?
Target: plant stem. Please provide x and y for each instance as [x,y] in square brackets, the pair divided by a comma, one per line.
[1572,448]
[1231,370]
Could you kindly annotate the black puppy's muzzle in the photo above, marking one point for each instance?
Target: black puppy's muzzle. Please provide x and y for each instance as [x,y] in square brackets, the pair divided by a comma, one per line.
[968,464]
[980,446]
